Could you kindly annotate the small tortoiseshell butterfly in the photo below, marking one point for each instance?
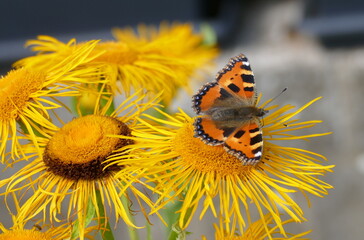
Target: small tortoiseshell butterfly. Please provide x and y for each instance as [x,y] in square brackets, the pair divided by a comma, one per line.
[231,117]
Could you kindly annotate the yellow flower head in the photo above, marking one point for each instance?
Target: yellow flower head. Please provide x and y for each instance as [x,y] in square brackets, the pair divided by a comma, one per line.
[186,167]
[154,59]
[73,168]
[256,231]
[41,232]
[27,94]
[37,232]
[18,233]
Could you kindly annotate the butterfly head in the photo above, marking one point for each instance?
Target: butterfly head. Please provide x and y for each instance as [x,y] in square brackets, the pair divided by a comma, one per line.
[261,112]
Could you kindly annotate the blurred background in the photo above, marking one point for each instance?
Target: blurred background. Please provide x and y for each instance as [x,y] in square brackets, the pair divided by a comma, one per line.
[314,48]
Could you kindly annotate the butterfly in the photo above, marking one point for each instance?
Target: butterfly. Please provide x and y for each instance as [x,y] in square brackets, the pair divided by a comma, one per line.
[230,116]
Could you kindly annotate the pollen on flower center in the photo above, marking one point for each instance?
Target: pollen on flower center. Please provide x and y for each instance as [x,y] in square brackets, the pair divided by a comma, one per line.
[196,154]
[16,89]
[79,148]
[25,235]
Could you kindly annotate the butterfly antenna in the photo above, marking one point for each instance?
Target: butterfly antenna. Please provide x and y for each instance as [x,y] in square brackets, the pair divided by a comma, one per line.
[279,94]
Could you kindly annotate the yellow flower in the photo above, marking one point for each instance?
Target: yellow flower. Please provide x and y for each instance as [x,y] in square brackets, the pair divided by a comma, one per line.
[257,231]
[19,233]
[73,168]
[26,95]
[37,232]
[155,60]
[187,168]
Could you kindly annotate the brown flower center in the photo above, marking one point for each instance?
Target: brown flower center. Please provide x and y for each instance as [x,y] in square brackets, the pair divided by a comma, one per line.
[79,149]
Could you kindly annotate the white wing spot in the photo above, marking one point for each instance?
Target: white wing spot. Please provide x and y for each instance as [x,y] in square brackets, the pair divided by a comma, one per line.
[258,154]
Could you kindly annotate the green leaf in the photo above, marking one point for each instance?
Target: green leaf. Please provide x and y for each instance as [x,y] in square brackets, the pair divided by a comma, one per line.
[106,232]
[90,213]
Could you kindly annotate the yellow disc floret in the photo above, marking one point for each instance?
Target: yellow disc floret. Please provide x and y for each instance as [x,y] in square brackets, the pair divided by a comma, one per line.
[205,158]
[16,89]
[78,150]
[25,235]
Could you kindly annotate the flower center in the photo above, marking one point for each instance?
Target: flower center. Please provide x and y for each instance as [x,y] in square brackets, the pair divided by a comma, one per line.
[16,89]
[202,157]
[25,235]
[117,53]
[79,149]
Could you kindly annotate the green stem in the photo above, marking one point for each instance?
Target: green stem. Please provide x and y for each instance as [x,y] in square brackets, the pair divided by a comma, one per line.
[106,232]
[149,232]
[133,234]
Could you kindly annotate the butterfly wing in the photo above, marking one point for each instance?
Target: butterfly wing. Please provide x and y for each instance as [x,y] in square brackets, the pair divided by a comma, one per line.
[212,97]
[234,88]
[234,81]
[208,132]
[209,96]
[246,143]
[238,78]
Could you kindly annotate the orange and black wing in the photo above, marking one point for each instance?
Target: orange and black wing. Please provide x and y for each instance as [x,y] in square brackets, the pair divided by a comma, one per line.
[238,78]
[246,143]
[208,132]
[210,95]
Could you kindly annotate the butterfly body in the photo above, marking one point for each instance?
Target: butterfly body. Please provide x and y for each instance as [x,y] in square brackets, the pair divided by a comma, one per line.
[236,114]
[230,116]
